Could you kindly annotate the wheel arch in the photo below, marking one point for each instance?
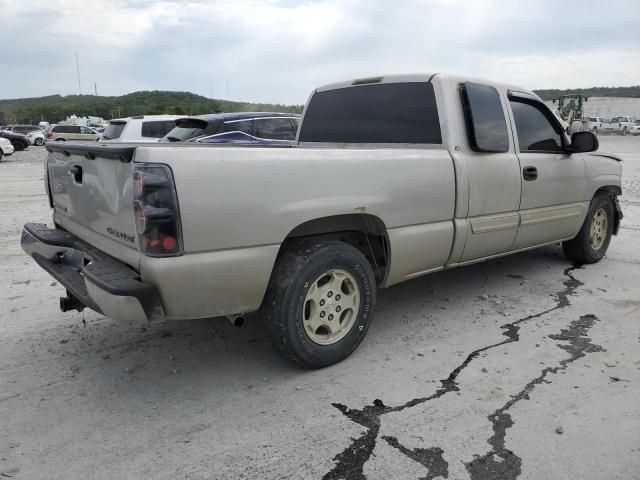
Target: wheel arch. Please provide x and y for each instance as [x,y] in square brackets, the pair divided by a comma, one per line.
[613,191]
[366,232]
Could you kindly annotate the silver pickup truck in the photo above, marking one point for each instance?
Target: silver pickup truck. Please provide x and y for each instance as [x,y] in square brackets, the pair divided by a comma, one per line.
[391,178]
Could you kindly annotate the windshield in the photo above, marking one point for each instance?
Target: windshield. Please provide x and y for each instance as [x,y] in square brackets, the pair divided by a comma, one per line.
[188,128]
[114,130]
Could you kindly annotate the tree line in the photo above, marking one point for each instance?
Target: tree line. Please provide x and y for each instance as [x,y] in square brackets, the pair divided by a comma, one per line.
[55,108]
[554,93]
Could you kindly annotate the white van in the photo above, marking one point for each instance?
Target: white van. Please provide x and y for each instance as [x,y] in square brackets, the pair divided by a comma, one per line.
[142,128]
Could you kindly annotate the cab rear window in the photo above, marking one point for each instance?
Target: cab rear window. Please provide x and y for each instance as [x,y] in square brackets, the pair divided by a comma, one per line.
[380,113]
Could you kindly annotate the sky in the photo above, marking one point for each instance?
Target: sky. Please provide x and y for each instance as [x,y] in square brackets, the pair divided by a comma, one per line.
[277,51]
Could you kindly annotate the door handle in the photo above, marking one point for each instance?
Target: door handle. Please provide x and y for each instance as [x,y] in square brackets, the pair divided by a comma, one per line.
[529,173]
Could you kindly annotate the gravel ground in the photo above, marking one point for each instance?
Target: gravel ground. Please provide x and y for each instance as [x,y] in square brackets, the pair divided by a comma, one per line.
[523,367]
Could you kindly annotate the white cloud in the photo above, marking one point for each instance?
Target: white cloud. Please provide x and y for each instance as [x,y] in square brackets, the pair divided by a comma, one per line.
[278,50]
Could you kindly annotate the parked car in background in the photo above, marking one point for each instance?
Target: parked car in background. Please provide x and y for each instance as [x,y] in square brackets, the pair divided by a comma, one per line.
[595,124]
[620,125]
[245,127]
[142,128]
[6,148]
[22,129]
[19,142]
[635,129]
[37,137]
[62,133]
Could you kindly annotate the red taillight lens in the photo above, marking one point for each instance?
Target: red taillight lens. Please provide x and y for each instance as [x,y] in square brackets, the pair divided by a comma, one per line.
[49,135]
[156,211]
[169,243]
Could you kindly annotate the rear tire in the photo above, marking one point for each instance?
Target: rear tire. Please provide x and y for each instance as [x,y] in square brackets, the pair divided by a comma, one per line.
[320,302]
[18,146]
[591,243]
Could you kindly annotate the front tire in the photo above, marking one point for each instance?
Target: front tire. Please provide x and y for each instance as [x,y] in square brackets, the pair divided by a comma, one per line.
[591,243]
[39,142]
[320,302]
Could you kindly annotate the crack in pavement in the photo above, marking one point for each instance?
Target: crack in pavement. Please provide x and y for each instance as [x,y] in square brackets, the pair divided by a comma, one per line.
[350,462]
[501,462]
[432,458]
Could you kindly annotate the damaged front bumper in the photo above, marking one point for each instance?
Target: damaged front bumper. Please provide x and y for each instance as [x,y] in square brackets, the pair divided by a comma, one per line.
[92,278]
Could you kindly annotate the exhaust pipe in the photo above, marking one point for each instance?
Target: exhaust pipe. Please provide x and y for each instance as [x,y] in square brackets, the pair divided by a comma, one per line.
[236,320]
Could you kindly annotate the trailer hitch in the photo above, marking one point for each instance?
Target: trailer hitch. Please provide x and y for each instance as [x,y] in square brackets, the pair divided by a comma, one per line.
[70,302]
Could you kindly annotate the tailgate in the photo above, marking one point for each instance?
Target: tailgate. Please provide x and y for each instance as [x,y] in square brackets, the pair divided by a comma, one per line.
[91,190]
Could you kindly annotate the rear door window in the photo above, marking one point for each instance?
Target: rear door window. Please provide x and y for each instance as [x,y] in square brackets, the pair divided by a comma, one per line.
[245,126]
[273,128]
[188,128]
[113,130]
[157,128]
[536,132]
[378,113]
[86,131]
[484,116]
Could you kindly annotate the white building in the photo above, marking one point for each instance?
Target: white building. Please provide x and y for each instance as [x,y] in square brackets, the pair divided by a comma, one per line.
[608,107]
[84,121]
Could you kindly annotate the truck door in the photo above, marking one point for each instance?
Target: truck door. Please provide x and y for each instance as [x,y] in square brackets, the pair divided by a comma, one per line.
[493,173]
[554,183]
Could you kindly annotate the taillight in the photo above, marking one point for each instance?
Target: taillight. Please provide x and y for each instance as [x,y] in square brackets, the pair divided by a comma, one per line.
[155,207]
[49,134]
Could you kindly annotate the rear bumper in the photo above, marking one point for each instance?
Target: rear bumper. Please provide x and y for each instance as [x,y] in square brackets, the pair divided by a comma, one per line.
[95,279]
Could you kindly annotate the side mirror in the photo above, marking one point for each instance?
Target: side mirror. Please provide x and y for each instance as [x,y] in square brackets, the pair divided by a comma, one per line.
[582,142]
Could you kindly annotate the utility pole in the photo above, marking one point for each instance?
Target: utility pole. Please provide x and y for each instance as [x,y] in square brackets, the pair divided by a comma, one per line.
[78,72]
[95,88]
[228,98]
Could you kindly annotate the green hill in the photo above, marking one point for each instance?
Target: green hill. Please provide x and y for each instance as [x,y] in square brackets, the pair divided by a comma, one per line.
[54,108]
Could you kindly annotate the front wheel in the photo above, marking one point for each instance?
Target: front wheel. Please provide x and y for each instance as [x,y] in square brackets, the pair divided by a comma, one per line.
[594,237]
[320,302]
[624,131]
[38,141]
